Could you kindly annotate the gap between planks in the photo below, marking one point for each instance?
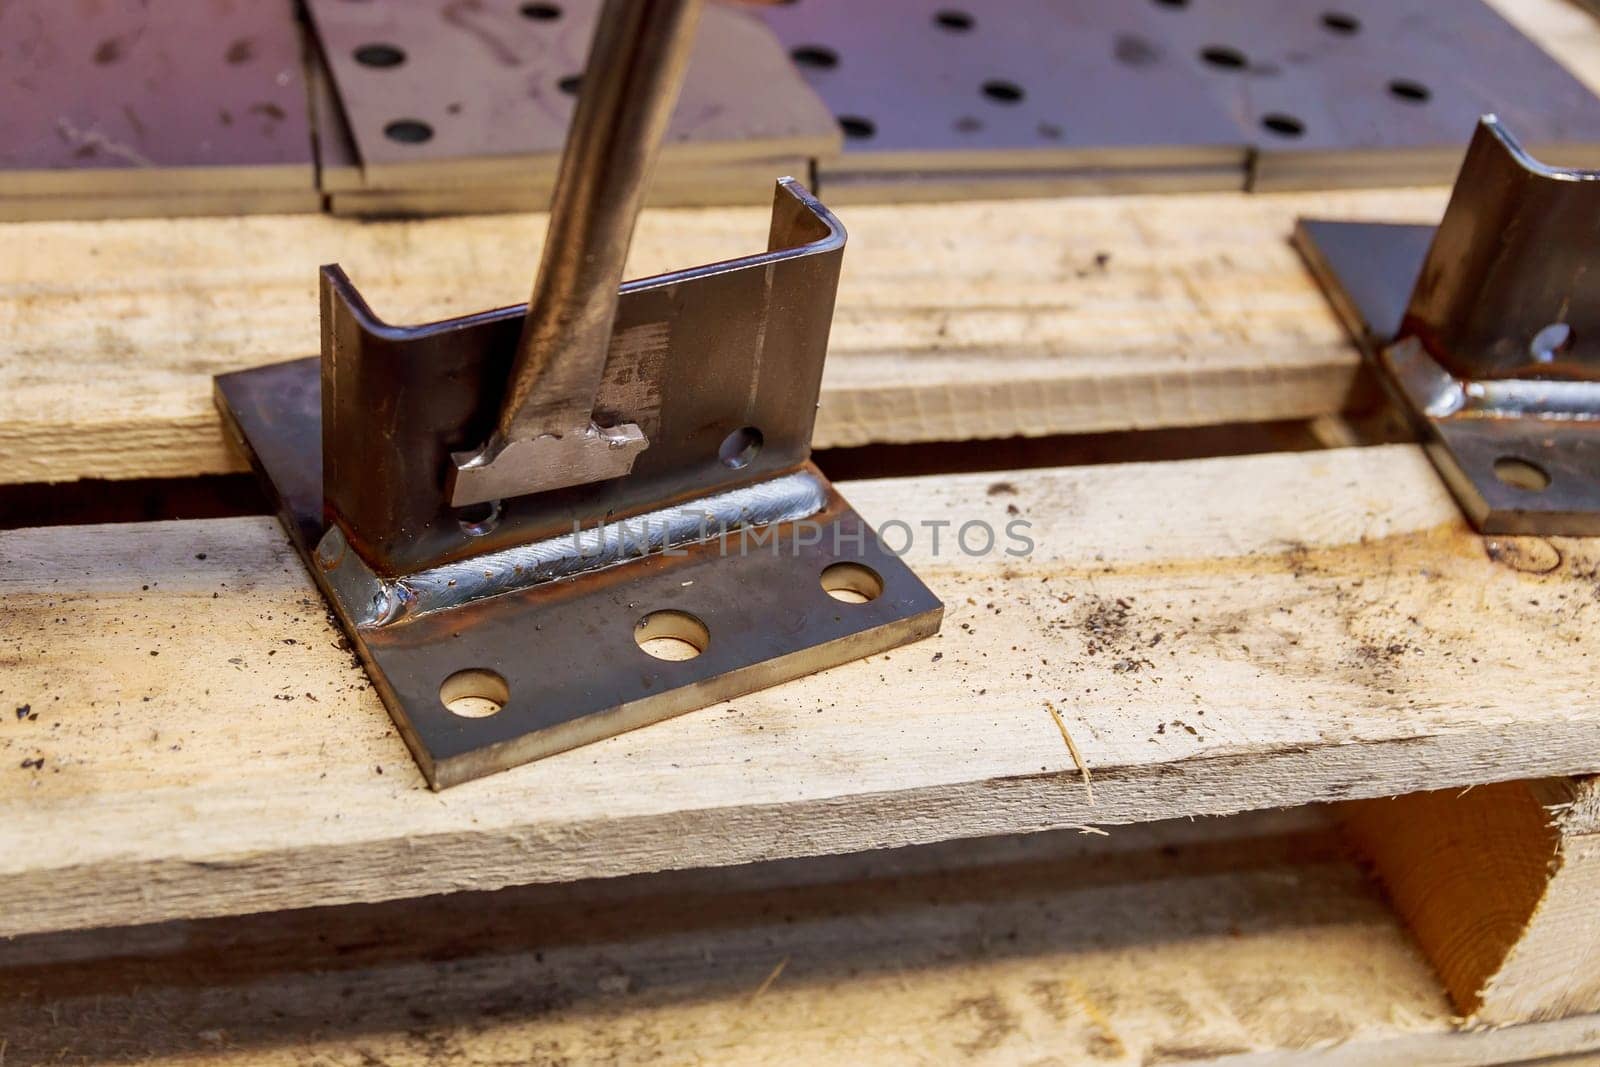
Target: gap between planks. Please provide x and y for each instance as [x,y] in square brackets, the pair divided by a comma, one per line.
[1218,941]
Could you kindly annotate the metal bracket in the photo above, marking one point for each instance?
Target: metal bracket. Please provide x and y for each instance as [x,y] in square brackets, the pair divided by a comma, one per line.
[1496,354]
[723,543]
[545,525]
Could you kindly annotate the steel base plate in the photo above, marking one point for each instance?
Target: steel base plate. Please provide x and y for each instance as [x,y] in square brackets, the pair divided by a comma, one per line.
[567,659]
[152,101]
[1494,466]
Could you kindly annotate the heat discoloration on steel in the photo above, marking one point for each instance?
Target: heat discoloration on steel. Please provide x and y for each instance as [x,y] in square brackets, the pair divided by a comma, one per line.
[1495,355]
[581,552]
[723,364]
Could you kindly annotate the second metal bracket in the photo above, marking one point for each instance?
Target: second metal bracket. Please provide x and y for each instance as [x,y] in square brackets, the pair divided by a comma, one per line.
[1486,329]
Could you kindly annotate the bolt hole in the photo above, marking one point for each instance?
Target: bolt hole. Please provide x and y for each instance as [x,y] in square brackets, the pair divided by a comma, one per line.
[740,447]
[852,583]
[1409,91]
[1174,4]
[954,21]
[856,127]
[570,84]
[1220,55]
[408,131]
[479,519]
[1550,343]
[475,693]
[1341,23]
[1283,125]
[381,56]
[672,635]
[1522,474]
[1002,92]
[540,12]
[815,56]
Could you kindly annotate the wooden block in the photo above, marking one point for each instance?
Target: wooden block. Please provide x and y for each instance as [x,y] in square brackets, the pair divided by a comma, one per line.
[1218,635]
[954,321]
[1498,883]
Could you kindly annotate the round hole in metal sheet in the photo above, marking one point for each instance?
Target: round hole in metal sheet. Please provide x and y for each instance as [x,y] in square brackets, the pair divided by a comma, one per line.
[671,635]
[408,131]
[1283,125]
[857,128]
[381,56]
[1223,57]
[1341,23]
[740,447]
[1522,474]
[852,583]
[1175,4]
[474,693]
[540,12]
[479,519]
[1412,92]
[1551,343]
[1003,92]
[815,57]
[570,84]
[953,21]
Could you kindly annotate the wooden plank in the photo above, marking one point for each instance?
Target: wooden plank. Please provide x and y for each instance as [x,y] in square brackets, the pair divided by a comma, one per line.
[1219,941]
[954,321]
[1219,635]
[1036,87]
[1498,883]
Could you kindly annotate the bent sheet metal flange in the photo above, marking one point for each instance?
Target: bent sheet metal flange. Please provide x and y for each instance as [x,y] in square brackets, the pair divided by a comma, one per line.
[546,593]
[1486,330]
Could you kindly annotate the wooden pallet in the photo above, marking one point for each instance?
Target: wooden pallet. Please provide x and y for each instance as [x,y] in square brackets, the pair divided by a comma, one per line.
[188,753]
[1214,942]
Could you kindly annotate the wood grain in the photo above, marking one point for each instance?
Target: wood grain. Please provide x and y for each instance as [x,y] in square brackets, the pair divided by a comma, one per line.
[1498,884]
[1219,635]
[1252,939]
[955,321]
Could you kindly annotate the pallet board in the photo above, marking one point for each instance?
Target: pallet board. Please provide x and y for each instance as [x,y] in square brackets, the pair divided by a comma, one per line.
[1160,944]
[954,321]
[1276,630]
